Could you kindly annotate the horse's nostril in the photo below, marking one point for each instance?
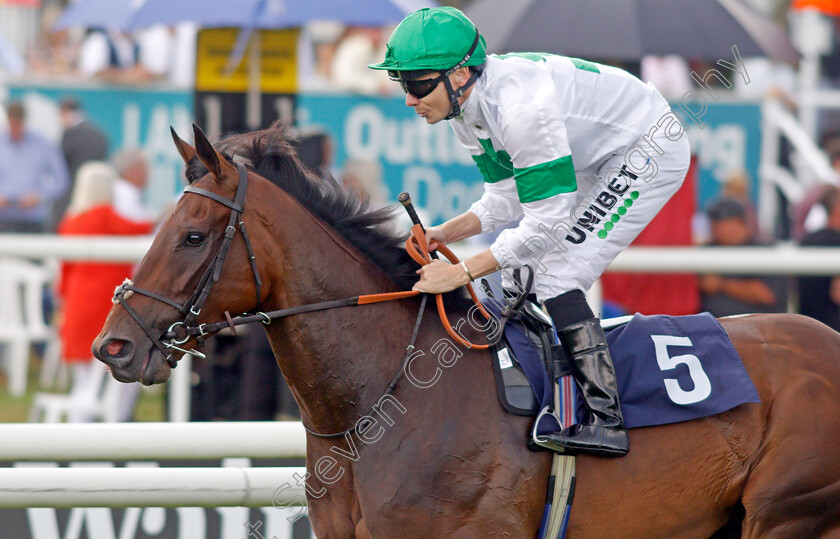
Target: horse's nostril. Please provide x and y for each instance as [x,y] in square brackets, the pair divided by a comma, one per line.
[114,352]
[115,347]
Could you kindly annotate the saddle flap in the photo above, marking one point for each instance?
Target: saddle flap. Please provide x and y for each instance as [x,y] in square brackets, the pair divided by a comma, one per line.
[513,388]
[526,359]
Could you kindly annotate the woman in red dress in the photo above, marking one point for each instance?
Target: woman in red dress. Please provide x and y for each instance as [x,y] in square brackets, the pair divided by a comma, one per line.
[86,288]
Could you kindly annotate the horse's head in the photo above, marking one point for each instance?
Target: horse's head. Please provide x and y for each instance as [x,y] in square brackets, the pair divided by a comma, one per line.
[159,315]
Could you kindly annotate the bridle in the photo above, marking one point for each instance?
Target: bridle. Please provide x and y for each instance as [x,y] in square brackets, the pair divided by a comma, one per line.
[191,309]
[171,341]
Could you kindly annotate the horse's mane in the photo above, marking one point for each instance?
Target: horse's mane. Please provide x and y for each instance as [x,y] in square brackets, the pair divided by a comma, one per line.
[271,154]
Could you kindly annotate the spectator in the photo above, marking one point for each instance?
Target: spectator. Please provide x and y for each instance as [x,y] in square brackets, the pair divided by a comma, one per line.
[316,47]
[54,53]
[725,295]
[811,216]
[182,68]
[133,170]
[32,175]
[359,47]
[86,288]
[164,54]
[107,53]
[819,296]
[81,142]
[735,185]
[240,381]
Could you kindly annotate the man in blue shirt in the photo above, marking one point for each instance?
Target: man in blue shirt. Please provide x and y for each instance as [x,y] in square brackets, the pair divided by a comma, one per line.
[32,175]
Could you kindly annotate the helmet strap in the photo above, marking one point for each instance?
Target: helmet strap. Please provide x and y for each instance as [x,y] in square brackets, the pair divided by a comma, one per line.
[455,107]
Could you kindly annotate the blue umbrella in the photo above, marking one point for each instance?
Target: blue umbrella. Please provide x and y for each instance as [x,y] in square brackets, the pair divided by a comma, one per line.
[98,14]
[274,13]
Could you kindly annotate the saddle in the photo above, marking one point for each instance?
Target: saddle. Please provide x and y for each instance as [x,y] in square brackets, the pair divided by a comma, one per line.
[669,369]
[528,358]
[524,387]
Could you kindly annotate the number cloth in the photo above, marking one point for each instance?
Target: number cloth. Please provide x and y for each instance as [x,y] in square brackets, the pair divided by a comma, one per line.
[673,369]
[669,369]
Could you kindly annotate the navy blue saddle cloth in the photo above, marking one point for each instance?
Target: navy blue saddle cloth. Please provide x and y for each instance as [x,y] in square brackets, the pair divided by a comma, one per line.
[669,369]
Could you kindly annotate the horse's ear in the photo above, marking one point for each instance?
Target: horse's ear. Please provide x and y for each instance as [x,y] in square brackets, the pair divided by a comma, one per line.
[215,162]
[187,152]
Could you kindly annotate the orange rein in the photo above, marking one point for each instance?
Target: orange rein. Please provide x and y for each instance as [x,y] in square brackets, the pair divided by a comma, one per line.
[422,257]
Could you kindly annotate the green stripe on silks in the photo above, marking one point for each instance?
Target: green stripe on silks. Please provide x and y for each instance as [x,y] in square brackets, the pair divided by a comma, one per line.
[545,180]
[494,166]
[491,171]
[585,65]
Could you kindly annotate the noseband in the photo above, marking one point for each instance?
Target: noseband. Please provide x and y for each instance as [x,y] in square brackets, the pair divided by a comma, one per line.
[191,309]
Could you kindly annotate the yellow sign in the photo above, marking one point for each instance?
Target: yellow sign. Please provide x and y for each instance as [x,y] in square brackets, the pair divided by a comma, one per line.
[277,61]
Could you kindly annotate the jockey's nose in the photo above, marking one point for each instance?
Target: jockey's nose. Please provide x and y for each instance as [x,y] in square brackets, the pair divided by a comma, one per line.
[114,352]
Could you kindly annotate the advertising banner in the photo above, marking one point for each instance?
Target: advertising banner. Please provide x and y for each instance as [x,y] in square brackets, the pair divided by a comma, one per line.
[429,162]
[157,522]
[425,160]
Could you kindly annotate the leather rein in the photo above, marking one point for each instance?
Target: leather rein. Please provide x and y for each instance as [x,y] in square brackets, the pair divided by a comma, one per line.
[182,331]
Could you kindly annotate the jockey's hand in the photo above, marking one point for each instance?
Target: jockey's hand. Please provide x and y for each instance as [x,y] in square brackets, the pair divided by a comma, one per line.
[439,277]
[435,237]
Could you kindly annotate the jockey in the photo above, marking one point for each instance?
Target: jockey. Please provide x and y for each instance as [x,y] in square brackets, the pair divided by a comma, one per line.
[585,154]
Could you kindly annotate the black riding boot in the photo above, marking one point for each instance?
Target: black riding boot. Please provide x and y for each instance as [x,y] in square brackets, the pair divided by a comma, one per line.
[602,432]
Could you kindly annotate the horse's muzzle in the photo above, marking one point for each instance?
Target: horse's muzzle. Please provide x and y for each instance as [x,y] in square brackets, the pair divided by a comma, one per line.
[116,353]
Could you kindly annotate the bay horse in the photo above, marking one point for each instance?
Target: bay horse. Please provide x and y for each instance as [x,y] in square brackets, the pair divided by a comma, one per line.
[439,457]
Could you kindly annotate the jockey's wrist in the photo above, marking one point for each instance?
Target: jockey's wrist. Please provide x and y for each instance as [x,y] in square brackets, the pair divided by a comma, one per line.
[440,232]
[467,271]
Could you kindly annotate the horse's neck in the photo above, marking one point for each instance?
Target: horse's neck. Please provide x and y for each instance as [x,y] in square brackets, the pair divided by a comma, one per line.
[336,362]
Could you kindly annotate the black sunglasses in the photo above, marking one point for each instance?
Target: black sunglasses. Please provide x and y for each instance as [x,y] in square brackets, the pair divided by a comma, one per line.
[421,88]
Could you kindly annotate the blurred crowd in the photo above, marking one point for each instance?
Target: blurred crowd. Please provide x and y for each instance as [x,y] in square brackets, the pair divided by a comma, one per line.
[331,56]
[81,187]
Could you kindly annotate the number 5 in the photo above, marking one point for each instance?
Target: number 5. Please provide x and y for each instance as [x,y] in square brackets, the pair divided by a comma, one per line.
[702,385]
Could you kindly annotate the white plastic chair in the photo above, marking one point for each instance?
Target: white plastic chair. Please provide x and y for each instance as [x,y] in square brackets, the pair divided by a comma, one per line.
[22,322]
[101,404]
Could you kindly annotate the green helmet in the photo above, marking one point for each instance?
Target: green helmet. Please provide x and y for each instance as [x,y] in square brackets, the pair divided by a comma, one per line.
[434,39]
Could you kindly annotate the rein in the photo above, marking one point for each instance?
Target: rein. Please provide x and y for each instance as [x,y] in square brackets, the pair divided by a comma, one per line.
[191,309]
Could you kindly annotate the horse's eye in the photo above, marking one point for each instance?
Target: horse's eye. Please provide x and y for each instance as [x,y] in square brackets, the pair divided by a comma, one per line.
[194,239]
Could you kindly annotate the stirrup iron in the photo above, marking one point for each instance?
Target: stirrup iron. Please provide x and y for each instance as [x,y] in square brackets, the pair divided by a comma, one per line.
[542,442]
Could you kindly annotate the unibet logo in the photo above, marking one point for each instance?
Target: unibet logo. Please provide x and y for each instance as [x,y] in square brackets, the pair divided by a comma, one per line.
[617,197]
[616,217]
